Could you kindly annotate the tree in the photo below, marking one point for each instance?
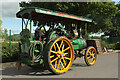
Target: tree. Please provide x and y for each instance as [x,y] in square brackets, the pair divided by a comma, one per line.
[5,33]
[100,12]
[114,31]
[0,23]
[1,33]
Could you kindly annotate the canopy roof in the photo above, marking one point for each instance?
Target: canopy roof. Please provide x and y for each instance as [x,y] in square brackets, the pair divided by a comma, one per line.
[49,15]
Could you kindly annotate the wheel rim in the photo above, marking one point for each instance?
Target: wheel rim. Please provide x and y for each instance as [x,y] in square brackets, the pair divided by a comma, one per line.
[91,56]
[61,55]
[35,51]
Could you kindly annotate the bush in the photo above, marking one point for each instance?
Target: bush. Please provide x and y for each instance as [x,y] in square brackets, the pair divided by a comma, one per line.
[108,45]
[112,46]
[6,57]
[104,44]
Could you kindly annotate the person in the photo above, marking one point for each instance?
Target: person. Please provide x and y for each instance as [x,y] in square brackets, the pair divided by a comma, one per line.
[24,37]
[38,34]
[25,34]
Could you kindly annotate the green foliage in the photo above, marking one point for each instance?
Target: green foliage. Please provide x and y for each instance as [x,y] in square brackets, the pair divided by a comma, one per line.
[112,46]
[95,37]
[107,45]
[3,33]
[101,12]
[5,52]
[13,38]
[1,28]
[0,23]
[114,30]
[110,43]
[104,44]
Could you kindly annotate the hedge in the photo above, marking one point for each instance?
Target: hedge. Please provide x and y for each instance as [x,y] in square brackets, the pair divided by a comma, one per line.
[5,52]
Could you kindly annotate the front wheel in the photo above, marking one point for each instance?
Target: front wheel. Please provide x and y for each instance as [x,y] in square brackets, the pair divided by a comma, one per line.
[90,56]
[58,56]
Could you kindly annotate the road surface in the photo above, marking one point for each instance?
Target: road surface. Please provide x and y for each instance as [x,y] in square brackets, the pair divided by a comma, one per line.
[106,67]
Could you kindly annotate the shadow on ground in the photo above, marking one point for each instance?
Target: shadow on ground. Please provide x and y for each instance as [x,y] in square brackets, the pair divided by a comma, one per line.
[33,72]
[79,65]
[26,71]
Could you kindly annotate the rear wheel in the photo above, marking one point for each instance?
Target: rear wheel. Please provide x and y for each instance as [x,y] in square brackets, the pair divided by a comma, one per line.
[90,56]
[58,56]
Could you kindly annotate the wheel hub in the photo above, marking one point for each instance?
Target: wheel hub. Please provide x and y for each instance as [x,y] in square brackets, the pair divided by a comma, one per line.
[92,56]
[60,54]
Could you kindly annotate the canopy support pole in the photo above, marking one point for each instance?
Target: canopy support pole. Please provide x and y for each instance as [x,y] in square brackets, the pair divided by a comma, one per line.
[30,25]
[22,23]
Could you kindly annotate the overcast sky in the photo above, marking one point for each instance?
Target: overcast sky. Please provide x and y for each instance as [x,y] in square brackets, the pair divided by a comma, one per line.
[10,7]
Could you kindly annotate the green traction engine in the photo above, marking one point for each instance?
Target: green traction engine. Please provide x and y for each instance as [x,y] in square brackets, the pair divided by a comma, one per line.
[54,42]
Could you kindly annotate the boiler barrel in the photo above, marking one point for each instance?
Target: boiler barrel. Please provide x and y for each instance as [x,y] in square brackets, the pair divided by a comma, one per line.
[79,43]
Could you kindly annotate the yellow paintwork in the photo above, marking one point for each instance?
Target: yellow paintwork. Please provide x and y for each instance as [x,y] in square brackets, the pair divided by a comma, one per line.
[62,58]
[91,52]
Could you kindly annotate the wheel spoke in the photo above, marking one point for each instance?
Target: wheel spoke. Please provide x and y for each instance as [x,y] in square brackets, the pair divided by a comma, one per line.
[61,43]
[52,56]
[63,47]
[64,61]
[54,59]
[89,57]
[66,49]
[54,47]
[94,58]
[55,63]
[91,60]
[67,58]
[62,65]
[58,63]
[90,52]
[53,51]
[58,46]
[65,53]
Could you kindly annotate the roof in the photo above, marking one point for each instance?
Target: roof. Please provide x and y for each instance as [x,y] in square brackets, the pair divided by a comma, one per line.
[45,14]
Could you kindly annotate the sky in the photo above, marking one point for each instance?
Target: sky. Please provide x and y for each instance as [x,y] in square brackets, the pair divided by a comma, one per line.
[8,10]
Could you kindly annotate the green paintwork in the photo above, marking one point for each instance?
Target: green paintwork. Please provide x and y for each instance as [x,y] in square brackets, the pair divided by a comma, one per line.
[48,12]
[31,40]
[79,44]
[37,51]
[28,61]
[45,12]
[68,34]
[52,34]
[41,61]
[10,44]
[52,13]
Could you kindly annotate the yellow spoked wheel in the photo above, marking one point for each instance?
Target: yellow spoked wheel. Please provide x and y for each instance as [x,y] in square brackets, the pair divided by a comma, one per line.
[59,55]
[90,56]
